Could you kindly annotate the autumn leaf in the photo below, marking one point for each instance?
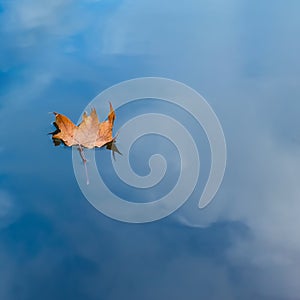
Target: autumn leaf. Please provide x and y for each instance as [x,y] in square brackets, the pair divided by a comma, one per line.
[90,133]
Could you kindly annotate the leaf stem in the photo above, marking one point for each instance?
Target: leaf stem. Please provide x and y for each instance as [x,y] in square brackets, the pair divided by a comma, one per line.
[84,160]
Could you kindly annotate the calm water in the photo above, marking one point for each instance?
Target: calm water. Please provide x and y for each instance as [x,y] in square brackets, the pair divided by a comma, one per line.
[243,57]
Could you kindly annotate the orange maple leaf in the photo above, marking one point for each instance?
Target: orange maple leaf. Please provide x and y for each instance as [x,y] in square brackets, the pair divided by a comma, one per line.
[90,133]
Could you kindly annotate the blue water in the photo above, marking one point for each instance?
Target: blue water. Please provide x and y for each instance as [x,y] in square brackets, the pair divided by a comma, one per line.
[243,57]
